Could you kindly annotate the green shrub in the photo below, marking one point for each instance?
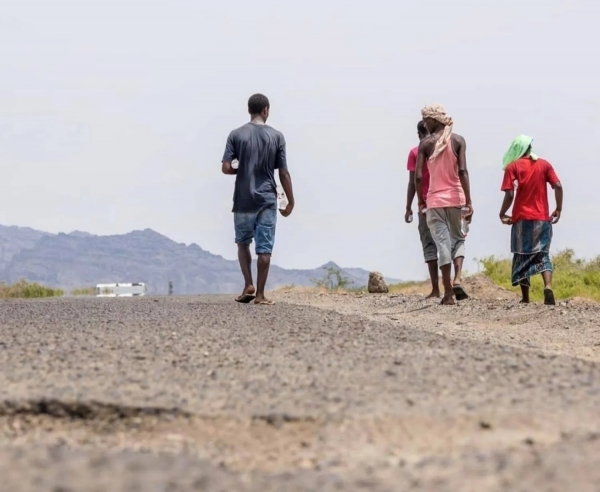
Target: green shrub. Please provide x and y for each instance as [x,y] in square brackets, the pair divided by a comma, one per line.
[333,280]
[84,291]
[27,290]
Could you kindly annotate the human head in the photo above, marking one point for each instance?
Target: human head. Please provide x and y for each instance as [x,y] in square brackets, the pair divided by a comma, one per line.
[520,147]
[258,105]
[422,130]
[435,117]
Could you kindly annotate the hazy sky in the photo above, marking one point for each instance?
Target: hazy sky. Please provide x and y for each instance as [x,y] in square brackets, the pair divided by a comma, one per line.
[114,115]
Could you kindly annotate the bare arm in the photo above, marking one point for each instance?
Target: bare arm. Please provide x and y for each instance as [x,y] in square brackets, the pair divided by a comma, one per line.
[558,195]
[284,176]
[509,196]
[418,183]
[227,168]
[229,156]
[463,172]
[411,166]
[286,182]
[410,194]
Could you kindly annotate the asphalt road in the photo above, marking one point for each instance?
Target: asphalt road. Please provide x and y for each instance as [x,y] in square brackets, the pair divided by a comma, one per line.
[200,393]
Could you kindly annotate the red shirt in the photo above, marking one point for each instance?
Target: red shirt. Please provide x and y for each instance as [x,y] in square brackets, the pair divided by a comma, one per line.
[531,179]
[411,165]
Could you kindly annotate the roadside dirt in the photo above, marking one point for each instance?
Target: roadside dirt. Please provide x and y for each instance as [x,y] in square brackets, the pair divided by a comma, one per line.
[492,315]
[319,392]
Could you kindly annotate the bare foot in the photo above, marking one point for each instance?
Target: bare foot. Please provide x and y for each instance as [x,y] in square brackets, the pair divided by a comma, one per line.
[434,295]
[247,295]
[549,299]
[263,301]
[448,301]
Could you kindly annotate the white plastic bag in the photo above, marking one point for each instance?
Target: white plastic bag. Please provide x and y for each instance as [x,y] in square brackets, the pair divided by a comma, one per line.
[282,200]
[464,224]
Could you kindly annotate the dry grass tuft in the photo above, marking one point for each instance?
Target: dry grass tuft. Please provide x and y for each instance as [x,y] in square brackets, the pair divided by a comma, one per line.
[27,290]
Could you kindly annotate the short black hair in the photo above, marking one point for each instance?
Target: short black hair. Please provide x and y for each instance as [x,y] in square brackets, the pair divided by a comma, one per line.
[421,128]
[257,103]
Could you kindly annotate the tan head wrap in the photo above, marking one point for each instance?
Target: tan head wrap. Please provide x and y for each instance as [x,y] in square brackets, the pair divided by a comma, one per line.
[438,113]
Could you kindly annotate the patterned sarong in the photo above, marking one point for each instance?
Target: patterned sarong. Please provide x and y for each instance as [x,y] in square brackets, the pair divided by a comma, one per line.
[530,244]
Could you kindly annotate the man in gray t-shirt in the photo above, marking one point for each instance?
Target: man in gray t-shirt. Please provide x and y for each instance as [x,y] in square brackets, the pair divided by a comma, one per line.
[259,150]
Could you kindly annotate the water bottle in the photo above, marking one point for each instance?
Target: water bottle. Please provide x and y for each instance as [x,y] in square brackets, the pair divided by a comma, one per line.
[464,225]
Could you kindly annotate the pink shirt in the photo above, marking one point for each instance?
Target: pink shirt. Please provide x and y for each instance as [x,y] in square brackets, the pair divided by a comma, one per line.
[445,189]
[411,165]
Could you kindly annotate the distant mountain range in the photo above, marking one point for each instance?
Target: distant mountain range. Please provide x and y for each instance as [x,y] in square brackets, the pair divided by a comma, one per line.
[80,259]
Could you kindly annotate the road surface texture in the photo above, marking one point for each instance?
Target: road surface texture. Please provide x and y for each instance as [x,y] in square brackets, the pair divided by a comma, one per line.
[317,393]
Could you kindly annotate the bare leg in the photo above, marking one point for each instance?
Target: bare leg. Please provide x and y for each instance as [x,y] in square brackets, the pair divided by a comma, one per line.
[448,299]
[547,276]
[264,263]
[435,280]
[524,294]
[245,259]
[458,265]
[459,290]
[548,293]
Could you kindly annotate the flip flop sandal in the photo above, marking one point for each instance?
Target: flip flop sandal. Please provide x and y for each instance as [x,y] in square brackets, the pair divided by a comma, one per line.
[549,298]
[264,303]
[460,293]
[245,298]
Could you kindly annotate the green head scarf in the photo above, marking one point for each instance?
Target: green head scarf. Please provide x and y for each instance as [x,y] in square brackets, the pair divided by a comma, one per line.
[517,150]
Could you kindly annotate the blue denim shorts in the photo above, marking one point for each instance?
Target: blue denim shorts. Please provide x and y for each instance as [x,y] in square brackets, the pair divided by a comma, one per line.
[259,226]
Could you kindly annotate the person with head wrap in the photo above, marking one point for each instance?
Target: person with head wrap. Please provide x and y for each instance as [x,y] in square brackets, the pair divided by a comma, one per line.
[518,148]
[531,233]
[444,154]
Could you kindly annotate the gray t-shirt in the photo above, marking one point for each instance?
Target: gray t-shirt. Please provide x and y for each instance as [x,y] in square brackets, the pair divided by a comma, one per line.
[260,149]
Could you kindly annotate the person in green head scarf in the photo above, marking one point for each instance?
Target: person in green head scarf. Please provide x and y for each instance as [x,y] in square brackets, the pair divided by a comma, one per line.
[518,149]
[531,220]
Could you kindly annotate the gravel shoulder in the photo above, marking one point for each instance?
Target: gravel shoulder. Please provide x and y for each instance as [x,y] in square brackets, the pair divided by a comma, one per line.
[319,392]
